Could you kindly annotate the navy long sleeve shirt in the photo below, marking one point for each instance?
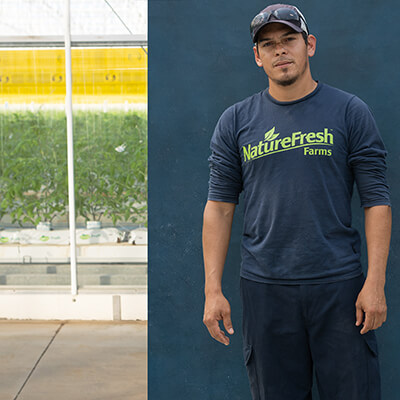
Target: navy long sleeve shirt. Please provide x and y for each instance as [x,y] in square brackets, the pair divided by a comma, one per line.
[295,164]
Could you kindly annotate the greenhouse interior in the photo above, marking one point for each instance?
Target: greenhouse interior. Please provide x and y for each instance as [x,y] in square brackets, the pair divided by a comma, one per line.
[73,190]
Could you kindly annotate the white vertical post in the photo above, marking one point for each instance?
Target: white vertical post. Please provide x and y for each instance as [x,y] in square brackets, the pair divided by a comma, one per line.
[70,137]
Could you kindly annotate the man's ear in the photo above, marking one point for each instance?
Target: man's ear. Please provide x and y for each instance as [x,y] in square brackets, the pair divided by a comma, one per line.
[257,55]
[312,45]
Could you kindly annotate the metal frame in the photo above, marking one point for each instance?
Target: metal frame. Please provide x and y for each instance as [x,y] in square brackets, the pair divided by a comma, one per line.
[70,145]
[76,41]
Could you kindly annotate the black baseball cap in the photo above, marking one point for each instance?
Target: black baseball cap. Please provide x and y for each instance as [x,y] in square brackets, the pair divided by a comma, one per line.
[282,13]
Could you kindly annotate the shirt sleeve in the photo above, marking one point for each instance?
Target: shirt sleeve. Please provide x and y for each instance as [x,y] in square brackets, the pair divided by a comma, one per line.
[225,183]
[367,155]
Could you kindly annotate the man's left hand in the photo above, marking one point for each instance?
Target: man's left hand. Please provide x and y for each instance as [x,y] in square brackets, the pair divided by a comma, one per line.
[371,306]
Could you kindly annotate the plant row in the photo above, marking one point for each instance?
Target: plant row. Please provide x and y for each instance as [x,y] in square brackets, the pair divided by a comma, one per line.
[110,166]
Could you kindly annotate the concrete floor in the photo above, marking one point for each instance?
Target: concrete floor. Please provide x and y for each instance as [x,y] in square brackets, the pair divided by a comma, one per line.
[73,360]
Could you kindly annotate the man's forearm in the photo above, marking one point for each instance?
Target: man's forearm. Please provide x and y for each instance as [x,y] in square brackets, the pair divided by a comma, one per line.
[217,226]
[371,308]
[216,234]
[378,223]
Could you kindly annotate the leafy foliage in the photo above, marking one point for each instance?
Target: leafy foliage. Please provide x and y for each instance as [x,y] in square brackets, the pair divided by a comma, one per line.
[110,165]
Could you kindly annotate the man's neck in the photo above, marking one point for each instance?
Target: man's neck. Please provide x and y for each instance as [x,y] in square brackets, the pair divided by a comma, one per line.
[293,92]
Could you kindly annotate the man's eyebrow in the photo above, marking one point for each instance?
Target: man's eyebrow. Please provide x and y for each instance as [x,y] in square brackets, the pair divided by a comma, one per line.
[284,35]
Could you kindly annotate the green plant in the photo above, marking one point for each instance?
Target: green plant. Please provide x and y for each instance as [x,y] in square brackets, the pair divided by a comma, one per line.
[110,165]
[33,166]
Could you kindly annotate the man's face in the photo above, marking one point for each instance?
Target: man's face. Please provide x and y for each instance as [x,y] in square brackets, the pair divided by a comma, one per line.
[283,53]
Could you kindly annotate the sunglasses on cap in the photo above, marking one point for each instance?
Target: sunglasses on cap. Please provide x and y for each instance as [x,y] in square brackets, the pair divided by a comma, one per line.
[293,18]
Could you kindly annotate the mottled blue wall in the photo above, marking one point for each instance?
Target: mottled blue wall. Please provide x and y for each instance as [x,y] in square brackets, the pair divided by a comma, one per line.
[200,62]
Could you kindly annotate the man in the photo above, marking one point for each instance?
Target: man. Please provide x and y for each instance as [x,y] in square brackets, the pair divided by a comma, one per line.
[295,150]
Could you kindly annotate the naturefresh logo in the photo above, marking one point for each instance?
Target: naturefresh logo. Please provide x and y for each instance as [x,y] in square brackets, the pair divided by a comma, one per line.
[272,144]
[270,135]
[4,239]
[44,238]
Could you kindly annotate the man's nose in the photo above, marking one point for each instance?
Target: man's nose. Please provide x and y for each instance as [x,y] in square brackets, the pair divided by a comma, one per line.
[279,48]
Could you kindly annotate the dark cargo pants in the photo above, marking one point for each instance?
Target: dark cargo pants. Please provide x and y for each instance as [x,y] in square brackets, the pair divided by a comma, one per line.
[290,329]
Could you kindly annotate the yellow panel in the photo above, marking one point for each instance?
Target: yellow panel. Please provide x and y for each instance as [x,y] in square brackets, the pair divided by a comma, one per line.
[113,74]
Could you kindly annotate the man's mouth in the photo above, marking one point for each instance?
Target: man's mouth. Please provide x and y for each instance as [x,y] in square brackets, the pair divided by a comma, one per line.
[282,64]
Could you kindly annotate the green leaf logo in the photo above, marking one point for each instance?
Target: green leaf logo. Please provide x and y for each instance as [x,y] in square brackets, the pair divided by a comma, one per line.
[4,239]
[85,236]
[44,238]
[271,135]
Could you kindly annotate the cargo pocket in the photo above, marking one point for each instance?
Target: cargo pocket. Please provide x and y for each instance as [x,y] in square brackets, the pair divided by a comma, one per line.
[374,379]
[251,371]
[370,339]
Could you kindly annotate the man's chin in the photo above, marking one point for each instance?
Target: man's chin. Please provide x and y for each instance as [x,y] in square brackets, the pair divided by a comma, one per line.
[286,81]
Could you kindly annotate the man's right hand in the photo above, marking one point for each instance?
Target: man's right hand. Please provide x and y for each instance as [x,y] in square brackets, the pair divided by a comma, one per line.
[217,308]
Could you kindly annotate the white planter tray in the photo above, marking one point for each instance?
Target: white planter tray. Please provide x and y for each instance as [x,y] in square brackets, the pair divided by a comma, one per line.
[91,253]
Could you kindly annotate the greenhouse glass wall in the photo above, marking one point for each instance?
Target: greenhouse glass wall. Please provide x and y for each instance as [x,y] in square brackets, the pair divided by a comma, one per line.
[109,95]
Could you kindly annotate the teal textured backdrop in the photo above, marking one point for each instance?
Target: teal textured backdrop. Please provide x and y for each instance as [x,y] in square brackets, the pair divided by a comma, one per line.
[200,62]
